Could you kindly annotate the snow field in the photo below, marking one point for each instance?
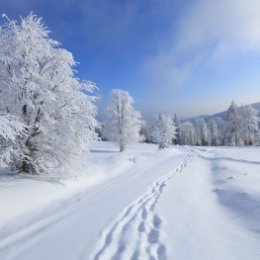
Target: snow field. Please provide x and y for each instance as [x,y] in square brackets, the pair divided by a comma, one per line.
[191,203]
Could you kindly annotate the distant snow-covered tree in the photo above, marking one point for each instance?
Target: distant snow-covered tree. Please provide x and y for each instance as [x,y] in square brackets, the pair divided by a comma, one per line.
[233,129]
[187,134]
[39,87]
[149,133]
[144,132]
[214,131]
[177,127]
[221,126]
[163,131]
[202,132]
[249,125]
[123,123]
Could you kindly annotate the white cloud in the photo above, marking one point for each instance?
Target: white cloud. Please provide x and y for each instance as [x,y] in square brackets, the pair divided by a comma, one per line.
[208,30]
[227,26]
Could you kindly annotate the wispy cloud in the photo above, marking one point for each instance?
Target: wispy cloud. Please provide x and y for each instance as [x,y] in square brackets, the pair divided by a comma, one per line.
[208,31]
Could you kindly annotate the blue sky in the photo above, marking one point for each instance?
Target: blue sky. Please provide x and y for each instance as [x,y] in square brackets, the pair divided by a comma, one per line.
[191,57]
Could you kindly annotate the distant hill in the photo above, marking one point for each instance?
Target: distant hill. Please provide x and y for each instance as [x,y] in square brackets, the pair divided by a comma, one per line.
[223,115]
[256,106]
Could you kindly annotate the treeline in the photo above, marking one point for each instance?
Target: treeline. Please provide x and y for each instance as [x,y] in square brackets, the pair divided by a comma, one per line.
[240,127]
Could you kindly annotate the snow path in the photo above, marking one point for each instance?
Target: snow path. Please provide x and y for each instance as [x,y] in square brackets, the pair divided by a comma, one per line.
[136,233]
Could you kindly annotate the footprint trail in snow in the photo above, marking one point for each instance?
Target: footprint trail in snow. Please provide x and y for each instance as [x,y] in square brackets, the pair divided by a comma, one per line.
[136,233]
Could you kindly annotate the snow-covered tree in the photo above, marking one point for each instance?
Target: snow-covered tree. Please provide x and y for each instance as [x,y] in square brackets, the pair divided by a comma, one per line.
[221,126]
[123,123]
[216,128]
[214,131]
[10,129]
[202,132]
[39,87]
[233,130]
[144,132]
[149,133]
[163,131]
[187,133]
[249,125]
[198,134]
[177,127]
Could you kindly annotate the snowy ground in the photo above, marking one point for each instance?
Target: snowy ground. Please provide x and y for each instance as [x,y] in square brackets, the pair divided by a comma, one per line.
[182,203]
